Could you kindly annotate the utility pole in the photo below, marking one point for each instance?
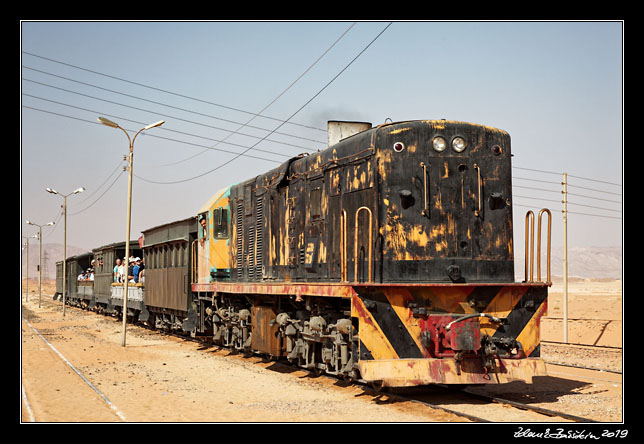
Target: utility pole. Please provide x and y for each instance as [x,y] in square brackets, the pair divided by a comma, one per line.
[565,257]
[45,269]
[40,265]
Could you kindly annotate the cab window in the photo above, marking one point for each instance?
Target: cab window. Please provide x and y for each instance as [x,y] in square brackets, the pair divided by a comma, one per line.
[220,223]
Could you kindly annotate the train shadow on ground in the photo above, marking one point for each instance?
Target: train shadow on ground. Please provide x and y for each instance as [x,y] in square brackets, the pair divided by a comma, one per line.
[544,389]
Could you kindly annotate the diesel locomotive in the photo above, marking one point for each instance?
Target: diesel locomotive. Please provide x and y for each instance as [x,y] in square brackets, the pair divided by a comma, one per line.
[386,257]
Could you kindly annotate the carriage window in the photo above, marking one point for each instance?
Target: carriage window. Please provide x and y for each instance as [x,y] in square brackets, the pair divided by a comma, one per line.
[316,203]
[220,223]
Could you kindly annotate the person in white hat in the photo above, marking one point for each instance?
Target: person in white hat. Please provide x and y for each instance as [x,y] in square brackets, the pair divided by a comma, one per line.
[130,270]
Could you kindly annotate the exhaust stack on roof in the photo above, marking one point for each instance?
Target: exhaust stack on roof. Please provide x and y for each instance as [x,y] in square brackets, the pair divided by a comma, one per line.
[338,130]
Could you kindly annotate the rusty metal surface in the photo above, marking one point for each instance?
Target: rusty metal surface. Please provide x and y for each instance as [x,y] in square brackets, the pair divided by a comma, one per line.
[335,289]
[412,372]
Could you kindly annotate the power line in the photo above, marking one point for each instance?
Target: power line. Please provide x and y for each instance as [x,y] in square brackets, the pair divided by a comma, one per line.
[594,198]
[166,91]
[163,104]
[596,180]
[276,98]
[596,215]
[569,175]
[593,189]
[284,122]
[148,135]
[590,206]
[537,189]
[99,197]
[164,129]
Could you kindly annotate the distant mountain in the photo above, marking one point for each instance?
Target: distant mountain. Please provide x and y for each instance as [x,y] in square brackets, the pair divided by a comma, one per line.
[51,253]
[584,262]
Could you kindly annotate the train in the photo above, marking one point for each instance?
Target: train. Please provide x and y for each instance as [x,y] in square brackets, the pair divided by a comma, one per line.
[386,257]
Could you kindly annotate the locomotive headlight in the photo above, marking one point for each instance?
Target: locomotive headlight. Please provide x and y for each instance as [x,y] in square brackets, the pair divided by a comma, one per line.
[439,144]
[458,144]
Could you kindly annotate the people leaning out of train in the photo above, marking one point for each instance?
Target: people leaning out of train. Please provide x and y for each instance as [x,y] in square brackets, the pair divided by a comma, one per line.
[116,274]
[204,225]
[86,275]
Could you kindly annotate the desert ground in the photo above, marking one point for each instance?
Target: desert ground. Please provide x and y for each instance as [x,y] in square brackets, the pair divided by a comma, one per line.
[161,378]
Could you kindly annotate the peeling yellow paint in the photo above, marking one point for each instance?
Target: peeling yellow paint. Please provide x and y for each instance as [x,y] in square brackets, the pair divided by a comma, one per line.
[445,171]
[440,125]
[418,236]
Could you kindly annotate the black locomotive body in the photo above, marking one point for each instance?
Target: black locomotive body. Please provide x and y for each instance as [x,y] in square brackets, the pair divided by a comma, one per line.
[382,206]
[388,251]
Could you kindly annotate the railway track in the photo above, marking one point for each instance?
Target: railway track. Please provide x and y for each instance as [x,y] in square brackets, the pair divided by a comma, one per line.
[462,403]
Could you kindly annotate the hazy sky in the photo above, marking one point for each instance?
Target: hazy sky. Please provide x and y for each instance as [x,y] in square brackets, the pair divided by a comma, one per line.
[556,87]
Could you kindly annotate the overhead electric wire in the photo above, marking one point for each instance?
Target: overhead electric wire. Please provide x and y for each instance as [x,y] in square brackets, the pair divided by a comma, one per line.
[593,189]
[163,104]
[274,100]
[148,135]
[120,163]
[169,92]
[164,129]
[594,198]
[596,215]
[99,197]
[284,122]
[569,175]
[590,206]
[595,180]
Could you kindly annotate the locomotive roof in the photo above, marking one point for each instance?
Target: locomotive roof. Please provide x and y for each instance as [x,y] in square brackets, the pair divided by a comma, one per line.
[349,146]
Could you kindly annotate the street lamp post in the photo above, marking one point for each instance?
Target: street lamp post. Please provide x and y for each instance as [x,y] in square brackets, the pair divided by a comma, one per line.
[111,124]
[76,191]
[40,264]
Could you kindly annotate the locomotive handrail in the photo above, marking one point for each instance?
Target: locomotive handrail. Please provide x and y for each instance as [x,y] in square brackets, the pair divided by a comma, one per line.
[478,170]
[529,245]
[193,262]
[343,246]
[355,244]
[425,212]
[544,210]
